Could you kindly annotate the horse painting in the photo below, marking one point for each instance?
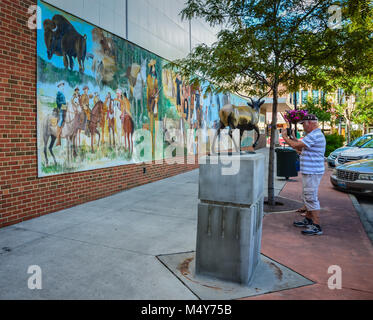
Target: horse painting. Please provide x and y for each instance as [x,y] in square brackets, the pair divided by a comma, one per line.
[127,130]
[69,131]
[137,77]
[76,104]
[96,115]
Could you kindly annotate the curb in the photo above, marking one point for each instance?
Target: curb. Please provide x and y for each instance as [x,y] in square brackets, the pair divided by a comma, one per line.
[368,227]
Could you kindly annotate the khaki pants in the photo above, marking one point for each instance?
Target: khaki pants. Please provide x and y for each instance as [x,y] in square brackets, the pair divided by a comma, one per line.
[311,184]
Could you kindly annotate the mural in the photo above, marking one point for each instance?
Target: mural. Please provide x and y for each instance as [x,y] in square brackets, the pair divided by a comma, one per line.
[102,101]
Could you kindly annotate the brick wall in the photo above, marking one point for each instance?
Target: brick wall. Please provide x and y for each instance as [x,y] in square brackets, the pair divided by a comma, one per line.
[22,194]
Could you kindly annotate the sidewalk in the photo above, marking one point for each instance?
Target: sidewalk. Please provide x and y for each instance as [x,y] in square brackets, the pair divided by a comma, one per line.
[344,243]
[106,249]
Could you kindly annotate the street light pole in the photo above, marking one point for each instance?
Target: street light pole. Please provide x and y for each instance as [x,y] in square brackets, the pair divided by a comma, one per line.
[295,108]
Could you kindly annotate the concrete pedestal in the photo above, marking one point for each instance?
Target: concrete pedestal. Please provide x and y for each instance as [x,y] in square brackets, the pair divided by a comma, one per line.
[230,218]
[237,179]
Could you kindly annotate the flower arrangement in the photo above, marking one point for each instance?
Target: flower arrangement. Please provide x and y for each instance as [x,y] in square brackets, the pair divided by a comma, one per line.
[294,116]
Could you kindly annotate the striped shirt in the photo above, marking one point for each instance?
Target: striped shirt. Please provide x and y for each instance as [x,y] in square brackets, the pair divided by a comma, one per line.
[312,157]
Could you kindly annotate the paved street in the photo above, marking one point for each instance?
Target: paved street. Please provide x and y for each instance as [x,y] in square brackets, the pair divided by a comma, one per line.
[367,204]
[366,214]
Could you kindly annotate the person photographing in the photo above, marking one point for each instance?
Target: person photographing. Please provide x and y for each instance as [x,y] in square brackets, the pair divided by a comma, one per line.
[311,150]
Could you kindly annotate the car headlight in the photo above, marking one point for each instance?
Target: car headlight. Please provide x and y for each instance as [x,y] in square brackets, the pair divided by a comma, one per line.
[366,177]
[334,173]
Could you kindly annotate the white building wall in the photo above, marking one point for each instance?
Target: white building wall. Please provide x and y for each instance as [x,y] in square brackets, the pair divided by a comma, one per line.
[154,25]
[107,14]
[201,32]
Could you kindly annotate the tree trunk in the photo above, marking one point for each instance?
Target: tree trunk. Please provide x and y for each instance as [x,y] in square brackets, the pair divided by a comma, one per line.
[349,115]
[347,126]
[348,129]
[271,167]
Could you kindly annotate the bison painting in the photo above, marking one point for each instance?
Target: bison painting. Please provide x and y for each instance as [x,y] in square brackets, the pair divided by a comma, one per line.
[63,40]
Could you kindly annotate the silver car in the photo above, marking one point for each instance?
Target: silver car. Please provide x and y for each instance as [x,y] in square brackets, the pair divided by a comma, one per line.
[353,144]
[364,152]
[354,177]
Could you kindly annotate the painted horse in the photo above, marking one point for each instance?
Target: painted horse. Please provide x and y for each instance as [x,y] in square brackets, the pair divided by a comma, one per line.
[128,127]
[96,115]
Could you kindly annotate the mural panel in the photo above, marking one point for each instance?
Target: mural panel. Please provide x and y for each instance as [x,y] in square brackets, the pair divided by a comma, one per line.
[103,101]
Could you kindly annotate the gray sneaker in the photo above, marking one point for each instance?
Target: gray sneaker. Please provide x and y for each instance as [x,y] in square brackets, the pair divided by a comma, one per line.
[304,223]
[312,230]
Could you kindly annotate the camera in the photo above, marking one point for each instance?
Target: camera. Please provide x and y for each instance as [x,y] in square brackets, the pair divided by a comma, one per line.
[289,133]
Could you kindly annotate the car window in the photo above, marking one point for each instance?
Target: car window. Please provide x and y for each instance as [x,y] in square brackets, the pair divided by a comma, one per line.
[360,141]
[368,144]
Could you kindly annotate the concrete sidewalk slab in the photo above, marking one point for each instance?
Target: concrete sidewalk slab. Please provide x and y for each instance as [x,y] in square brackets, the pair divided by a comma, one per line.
[65,219]
[144,233]
[74,269]
[105,249]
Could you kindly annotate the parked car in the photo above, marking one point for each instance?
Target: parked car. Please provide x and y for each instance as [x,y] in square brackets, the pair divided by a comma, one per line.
[354,177]
[354,154]
[331,160]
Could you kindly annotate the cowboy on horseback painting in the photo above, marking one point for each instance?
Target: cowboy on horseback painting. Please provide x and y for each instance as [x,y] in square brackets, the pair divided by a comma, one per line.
[84,102]
[61,106]
[110,116]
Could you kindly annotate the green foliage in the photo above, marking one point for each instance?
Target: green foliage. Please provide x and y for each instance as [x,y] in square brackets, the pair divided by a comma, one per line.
[333,141]
[322,110]
[363,113]
[48,73]
[355,134]
[260,46]
[58,168]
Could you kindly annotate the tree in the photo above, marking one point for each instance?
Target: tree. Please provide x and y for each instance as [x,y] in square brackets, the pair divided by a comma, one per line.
[352,87]
[321,109]
[363,113]
[349,73]
[266,43]
[349,88]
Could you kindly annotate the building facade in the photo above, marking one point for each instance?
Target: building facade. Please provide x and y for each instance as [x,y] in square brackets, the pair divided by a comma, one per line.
[36,62]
